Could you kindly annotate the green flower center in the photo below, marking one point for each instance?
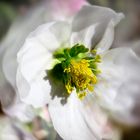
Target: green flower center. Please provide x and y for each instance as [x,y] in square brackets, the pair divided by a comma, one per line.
[77,68]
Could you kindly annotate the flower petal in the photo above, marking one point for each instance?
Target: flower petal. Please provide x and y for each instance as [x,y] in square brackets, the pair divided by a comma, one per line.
[36,93]
[35,59]
[119,86]
[16,37]
[84,36]
[78,119]
[52,35]
[108,37]
[104,17]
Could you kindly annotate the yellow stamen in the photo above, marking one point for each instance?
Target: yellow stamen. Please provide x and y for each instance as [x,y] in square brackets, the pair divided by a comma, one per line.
[81,95]
[82,77]
[68,86]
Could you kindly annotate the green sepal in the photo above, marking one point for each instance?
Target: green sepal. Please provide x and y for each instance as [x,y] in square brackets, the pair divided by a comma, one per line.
[59,55]
[93,65]
[78,48]
[66,63]
[89,58]
[67,53]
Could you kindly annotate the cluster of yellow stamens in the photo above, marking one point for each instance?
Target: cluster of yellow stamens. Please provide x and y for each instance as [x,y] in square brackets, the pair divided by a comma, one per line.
[77,68]
[81,76]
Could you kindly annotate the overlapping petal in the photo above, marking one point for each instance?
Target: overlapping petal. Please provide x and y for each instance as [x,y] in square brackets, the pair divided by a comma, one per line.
[84,36]
[78,119]
[105,18]
[35,59]
[119,84]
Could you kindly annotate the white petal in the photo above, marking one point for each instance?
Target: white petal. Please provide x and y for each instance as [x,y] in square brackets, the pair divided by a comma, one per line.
[36,93]
[119,86]
[108,36]
[106,20]
[90,15]
[35,59]
[52,35]
[16,37]
[78,119]
[84,36]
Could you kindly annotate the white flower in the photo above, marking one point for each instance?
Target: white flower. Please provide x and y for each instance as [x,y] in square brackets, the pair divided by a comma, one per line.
[74,119]
[118,81]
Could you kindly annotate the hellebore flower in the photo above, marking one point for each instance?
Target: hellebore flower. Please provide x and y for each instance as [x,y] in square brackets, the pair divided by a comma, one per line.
[70,67]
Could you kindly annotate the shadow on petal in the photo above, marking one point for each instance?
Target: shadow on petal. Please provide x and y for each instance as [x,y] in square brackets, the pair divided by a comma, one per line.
[58,89]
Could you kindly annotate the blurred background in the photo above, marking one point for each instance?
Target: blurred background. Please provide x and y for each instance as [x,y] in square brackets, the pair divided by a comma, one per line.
[11,9]
[128,31]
